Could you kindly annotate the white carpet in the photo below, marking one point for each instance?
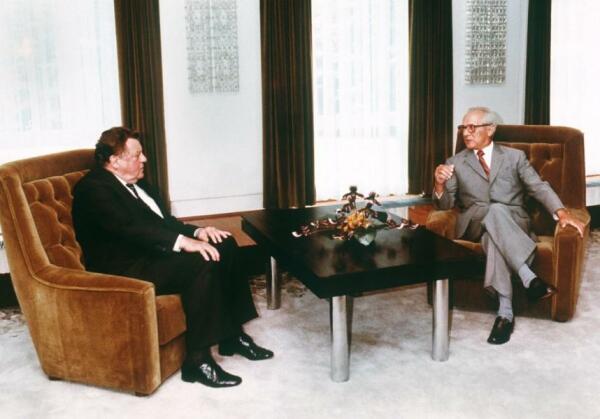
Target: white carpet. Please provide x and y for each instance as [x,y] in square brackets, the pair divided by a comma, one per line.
[547,370]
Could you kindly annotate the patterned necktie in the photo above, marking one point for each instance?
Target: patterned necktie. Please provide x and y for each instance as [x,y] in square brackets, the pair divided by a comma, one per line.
[132,187]
[486,168]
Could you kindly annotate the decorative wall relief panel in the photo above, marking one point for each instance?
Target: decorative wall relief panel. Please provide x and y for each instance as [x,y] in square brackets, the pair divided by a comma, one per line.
[485,53]
[212,46]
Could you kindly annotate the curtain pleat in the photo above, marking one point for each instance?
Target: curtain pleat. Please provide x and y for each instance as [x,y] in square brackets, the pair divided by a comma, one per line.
[537,75]
[288,138]
[141,85]
[430,128]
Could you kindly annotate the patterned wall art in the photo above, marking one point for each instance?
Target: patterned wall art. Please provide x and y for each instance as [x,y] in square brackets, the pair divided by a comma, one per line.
[212,46]
[485,55]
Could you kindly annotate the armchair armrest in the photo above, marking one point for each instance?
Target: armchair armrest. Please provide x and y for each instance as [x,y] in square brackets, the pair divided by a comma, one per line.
[95,328]
[75,279]
[569,252]
[582,215]
[442,222]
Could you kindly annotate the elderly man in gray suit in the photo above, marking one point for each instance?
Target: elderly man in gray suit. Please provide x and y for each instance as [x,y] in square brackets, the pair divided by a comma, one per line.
[488,183]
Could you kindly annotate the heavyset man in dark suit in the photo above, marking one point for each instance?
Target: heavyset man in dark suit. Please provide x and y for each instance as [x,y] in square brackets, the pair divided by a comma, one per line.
[488,183]
[124,229]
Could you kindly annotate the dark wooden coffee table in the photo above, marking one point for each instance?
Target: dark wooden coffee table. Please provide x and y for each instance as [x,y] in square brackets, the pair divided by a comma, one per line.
[339,270]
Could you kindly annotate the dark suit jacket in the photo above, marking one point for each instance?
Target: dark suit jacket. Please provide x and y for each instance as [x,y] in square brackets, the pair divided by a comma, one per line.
[115,229]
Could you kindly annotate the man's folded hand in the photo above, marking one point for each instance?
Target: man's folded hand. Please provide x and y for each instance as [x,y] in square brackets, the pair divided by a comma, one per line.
[207,251]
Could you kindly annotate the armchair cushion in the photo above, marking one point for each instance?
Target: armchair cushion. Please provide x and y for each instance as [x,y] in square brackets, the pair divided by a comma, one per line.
[50,205]
[170,321]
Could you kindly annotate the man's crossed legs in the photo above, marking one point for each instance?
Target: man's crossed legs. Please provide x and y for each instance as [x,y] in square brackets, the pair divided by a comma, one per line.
[509,249]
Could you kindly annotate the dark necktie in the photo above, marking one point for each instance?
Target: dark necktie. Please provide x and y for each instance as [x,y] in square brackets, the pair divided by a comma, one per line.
[132,187]
[486,168]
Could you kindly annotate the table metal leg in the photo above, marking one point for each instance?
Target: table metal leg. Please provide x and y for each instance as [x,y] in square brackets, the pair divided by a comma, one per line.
[273,285]
[441,330]
[341,308]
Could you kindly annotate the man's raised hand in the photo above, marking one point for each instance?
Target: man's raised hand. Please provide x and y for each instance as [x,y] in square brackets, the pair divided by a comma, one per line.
[442,173]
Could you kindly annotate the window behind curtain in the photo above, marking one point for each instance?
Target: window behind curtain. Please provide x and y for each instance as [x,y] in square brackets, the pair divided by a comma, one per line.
[360,76]
[58,75]
[575,72]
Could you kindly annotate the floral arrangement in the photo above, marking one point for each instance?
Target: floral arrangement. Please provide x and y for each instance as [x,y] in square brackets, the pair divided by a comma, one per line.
[353,222]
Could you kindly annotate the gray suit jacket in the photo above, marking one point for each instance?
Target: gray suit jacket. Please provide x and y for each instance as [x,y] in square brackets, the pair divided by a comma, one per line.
[511,179]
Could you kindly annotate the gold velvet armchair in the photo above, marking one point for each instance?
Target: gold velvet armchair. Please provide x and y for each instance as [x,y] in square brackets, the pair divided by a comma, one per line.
[557,154]
[104,330]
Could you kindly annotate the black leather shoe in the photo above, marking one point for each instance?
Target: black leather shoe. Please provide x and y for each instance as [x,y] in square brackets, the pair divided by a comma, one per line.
[501,331]
[244,346]
[538,290]
[209,373]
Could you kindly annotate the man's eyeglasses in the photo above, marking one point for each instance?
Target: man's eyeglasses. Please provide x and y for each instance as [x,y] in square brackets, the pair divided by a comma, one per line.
[472,127]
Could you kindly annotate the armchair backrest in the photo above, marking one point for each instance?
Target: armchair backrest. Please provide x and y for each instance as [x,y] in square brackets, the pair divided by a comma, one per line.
[35,212]
[557,153]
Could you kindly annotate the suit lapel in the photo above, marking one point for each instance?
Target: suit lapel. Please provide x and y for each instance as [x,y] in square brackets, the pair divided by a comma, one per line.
[497,162]
[473,162]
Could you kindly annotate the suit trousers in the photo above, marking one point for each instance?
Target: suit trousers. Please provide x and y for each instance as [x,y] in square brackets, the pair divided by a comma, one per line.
[216,296]
[504,236]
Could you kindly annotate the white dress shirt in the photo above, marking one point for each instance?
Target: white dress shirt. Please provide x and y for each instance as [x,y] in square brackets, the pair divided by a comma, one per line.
[151,203]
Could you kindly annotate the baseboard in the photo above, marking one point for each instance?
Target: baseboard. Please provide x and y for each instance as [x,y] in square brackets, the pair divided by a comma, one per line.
[218,205]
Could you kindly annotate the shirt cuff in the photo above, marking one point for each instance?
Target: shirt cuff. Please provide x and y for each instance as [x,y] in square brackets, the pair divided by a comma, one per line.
[197,231]
[177,245]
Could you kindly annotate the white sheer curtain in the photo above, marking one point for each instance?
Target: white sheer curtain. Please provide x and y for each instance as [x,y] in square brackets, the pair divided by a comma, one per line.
[58,75]
[360,76]
[575,72]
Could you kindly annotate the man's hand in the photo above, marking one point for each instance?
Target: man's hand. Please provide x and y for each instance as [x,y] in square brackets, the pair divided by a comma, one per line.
[565,219]
[207,251]
[442,173]
[212,234]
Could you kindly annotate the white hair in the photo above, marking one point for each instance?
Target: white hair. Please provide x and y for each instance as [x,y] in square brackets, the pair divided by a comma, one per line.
[489,116]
